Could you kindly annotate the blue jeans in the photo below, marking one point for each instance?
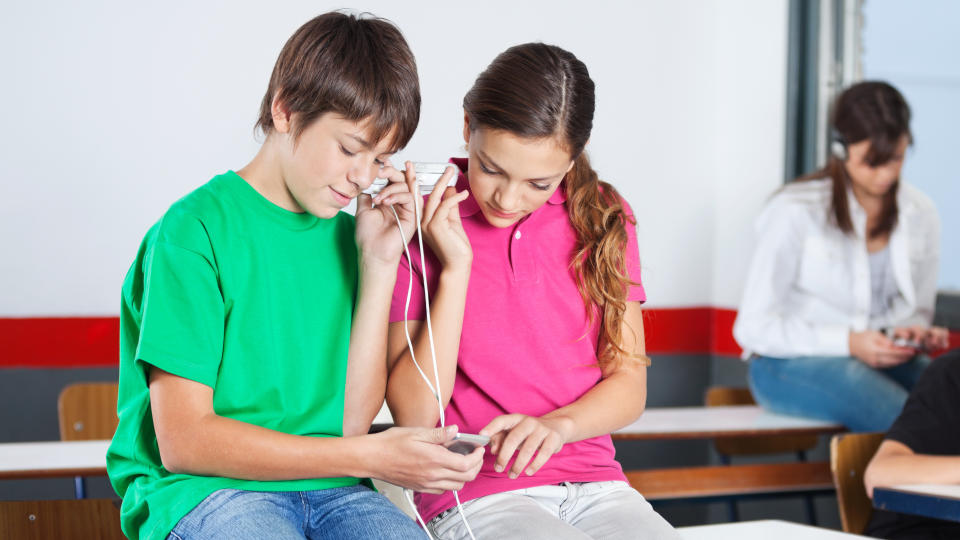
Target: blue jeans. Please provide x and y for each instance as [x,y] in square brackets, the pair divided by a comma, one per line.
[838,389]
[346,513]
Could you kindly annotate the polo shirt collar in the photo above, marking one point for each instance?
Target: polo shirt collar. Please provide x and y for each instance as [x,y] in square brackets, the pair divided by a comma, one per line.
[470,207]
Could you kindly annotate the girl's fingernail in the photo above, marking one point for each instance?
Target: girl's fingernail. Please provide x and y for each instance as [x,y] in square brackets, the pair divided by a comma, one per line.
[498,468]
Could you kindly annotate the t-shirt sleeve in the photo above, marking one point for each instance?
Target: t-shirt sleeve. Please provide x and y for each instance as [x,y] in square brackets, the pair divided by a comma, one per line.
[929,420]
[182,330]
[635,293]
[416,311]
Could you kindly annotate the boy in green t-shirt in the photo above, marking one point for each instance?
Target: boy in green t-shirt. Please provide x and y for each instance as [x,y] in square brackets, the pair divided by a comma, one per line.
[254,318]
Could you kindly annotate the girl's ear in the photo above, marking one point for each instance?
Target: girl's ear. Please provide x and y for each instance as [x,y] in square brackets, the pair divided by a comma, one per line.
[466,127]
[281,118]
[574,161]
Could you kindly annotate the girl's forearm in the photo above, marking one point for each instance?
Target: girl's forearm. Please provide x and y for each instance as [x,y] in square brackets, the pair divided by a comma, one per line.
[410,399]
[618,399]
[613,403]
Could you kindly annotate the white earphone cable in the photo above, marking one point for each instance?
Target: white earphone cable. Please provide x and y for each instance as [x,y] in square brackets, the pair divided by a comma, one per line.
[408,494]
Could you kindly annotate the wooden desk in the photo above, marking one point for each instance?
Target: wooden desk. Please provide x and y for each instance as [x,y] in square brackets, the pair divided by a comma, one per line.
[928,500]
[88,458]
[662,423]
[53,459]
[762,530]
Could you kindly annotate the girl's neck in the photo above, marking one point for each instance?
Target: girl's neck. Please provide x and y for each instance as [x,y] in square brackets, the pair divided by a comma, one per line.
[871,204]
[873,207]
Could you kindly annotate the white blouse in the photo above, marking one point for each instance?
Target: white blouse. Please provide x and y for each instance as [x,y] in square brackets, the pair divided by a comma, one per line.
[808,284]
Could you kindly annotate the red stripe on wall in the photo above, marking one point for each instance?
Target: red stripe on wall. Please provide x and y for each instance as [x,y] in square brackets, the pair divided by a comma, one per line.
[95,342]
[60,342]
[696,330]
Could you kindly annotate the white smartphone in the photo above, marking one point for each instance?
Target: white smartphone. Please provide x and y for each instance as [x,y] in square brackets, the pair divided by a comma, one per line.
[464,443]
[428,174]
[904,342]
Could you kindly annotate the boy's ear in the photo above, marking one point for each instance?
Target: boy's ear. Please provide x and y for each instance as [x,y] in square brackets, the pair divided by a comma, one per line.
[466,127]
[281,118]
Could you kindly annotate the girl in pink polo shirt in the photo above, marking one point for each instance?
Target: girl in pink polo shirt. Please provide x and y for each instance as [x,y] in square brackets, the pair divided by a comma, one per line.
[534,280]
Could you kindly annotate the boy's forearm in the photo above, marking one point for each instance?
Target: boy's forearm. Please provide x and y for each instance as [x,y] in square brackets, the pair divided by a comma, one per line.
[410,400]
[219,446]
[367,368]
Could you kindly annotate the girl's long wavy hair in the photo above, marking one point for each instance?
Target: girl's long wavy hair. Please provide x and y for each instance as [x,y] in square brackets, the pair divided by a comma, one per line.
[535,91]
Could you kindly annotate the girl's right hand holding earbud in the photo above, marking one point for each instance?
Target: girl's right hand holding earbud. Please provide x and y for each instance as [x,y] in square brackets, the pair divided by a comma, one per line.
[441,225]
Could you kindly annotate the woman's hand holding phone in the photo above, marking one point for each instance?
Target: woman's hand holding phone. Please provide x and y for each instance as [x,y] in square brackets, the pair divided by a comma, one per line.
[923,338]
[877,350]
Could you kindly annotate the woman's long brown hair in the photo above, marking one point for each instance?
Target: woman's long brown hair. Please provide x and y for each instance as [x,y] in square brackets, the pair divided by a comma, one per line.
[535,91]
[872,110]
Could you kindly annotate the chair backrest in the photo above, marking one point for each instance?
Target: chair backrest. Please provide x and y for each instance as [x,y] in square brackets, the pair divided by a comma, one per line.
[764,444]
[77,519]
[87,411]
[849,455]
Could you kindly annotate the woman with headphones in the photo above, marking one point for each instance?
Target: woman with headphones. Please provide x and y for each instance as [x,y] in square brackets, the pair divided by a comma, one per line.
[837,310]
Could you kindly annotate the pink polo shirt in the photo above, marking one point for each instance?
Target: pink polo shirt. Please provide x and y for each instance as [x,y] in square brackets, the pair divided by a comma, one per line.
[521,349]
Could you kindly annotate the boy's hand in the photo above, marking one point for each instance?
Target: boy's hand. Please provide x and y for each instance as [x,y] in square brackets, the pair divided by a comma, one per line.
[378,238]
[414,458]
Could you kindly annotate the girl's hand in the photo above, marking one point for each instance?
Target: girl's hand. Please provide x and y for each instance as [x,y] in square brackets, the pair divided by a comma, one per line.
[931,338]
[377,236]
[525,435]
[877,350]
[441,225]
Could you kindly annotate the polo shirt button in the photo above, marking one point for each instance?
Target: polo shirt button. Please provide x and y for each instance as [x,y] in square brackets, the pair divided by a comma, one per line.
[518,235]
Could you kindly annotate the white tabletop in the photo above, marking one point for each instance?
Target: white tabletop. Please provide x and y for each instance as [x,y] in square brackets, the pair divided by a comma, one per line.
[762,530]
[717,421]
[52,457]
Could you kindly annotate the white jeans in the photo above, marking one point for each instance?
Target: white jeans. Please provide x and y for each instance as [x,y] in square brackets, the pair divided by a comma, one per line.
[581,511]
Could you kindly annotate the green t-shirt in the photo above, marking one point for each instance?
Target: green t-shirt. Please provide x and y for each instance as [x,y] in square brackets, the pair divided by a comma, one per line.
[236,293]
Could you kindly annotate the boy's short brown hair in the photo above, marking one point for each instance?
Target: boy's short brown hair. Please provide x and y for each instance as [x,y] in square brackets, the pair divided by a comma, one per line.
[356,66]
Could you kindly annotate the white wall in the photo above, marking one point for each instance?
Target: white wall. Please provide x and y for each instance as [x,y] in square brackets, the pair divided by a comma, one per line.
[114,110]
[918,55]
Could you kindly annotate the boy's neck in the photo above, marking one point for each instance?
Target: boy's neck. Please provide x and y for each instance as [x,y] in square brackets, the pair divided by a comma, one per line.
[265,174]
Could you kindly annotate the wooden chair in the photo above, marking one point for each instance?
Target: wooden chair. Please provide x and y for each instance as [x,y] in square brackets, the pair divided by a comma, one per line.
[717,396]
[849,455]
[78,519]
[87,411]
